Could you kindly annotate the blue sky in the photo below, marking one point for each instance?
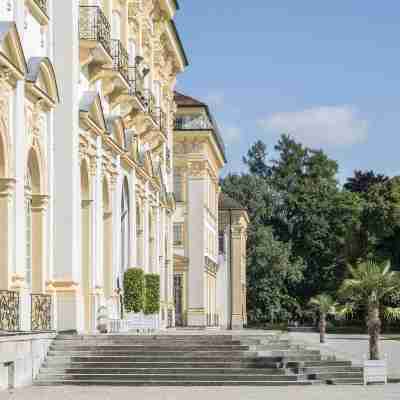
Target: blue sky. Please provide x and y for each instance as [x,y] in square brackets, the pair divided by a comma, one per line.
[326,72]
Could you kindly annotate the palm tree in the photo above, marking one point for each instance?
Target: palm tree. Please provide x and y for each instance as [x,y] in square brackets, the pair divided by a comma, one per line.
[325,305]
[370,283]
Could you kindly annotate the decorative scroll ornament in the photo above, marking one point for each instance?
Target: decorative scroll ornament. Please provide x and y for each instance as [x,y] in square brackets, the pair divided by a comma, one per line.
[9,310]
[41,309]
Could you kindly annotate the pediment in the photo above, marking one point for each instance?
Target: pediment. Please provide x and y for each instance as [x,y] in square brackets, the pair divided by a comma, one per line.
[90,107]
[41,80]
[11,52]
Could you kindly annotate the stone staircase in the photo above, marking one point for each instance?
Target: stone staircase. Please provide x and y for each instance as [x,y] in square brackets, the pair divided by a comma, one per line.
[188,360]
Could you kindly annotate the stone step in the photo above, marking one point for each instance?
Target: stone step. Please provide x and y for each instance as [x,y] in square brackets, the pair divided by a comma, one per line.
[166,364]
[149,354]
[166,377]
[335,375]
[345,381]
[147,348]
[320,363]
[213,382]
[170,371]
[330,369]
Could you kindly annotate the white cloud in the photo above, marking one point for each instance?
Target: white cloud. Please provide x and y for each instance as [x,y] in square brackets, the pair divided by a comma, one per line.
[325,126]
[230,133]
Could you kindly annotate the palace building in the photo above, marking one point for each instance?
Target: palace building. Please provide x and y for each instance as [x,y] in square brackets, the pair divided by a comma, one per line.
[103,168]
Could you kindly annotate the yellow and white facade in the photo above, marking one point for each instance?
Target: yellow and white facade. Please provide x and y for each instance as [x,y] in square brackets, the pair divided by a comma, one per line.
[86,148]
[202,282]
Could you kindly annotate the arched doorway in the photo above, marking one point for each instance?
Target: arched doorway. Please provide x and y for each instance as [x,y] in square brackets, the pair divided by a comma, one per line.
[107,242]
[86,234]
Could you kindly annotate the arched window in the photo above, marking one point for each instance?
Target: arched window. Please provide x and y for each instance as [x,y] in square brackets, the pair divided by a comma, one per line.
[125,227]
[28,229]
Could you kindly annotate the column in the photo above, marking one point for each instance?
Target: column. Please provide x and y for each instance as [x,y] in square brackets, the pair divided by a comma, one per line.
[67,214]
[196,249]
[146,230]
[236,278]
[133,262]
[6,231]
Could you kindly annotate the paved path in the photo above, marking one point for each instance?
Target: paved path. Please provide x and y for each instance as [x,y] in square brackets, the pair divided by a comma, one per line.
[389,392]
[353,347]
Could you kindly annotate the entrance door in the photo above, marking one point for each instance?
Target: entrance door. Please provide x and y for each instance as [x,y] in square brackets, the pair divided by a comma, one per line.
[178,292]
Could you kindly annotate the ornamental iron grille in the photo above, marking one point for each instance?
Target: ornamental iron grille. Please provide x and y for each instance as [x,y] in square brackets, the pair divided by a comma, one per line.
[42,4]
[94,25]
[161,118]
[41,308]
[9,310]
[136,83]
[193,122]
[178,296]
[120,58]
[170,318]
[150,103]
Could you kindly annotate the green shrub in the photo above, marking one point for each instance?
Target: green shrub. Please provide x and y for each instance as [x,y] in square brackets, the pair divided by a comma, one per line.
[151,294]
[134,290]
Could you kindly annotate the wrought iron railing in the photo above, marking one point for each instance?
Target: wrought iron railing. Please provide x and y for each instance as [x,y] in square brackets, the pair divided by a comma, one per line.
[136,83]
[41,312]
[150,103]
[94,25]
[120,58]
[160,118]
[195,122]
[42,4]
[9,310]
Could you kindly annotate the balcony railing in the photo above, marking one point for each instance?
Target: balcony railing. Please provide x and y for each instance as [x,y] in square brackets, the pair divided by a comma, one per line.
[94,25]
[9,311]
[194,122]
[41,310]
[160,118]
[42,4]
[150,103]
[120,58]
[136,83]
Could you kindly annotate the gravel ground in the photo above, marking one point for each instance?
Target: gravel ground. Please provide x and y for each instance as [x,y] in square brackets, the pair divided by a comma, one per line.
[388,392]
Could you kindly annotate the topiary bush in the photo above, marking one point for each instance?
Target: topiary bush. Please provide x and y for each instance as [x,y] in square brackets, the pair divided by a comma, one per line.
[151,294]
[134,290]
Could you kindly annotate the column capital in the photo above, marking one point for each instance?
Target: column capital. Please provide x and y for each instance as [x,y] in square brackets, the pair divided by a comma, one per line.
[40,202]
[7,186]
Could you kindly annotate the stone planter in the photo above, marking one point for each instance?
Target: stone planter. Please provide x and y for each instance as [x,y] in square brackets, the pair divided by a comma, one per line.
[375,371]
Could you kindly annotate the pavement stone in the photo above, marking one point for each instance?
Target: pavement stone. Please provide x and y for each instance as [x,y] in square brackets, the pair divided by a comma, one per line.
[375,392]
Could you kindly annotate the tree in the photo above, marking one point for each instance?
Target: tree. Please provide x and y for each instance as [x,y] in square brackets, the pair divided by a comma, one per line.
[325,305]
[256,159]
[370,284]
[362,181]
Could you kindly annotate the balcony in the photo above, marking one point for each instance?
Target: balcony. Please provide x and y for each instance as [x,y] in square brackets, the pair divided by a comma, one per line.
[120,59]
[95,34]
[193,122]
[161,119]
[136,84]
[41,312]
[9,311]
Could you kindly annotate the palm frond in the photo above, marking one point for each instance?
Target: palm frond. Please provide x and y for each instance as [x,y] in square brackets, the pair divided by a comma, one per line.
[392,313]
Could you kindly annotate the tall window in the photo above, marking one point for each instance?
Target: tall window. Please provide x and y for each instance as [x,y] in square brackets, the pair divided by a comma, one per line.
[125,227]
[178,187]
[178,234]
[28,229]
